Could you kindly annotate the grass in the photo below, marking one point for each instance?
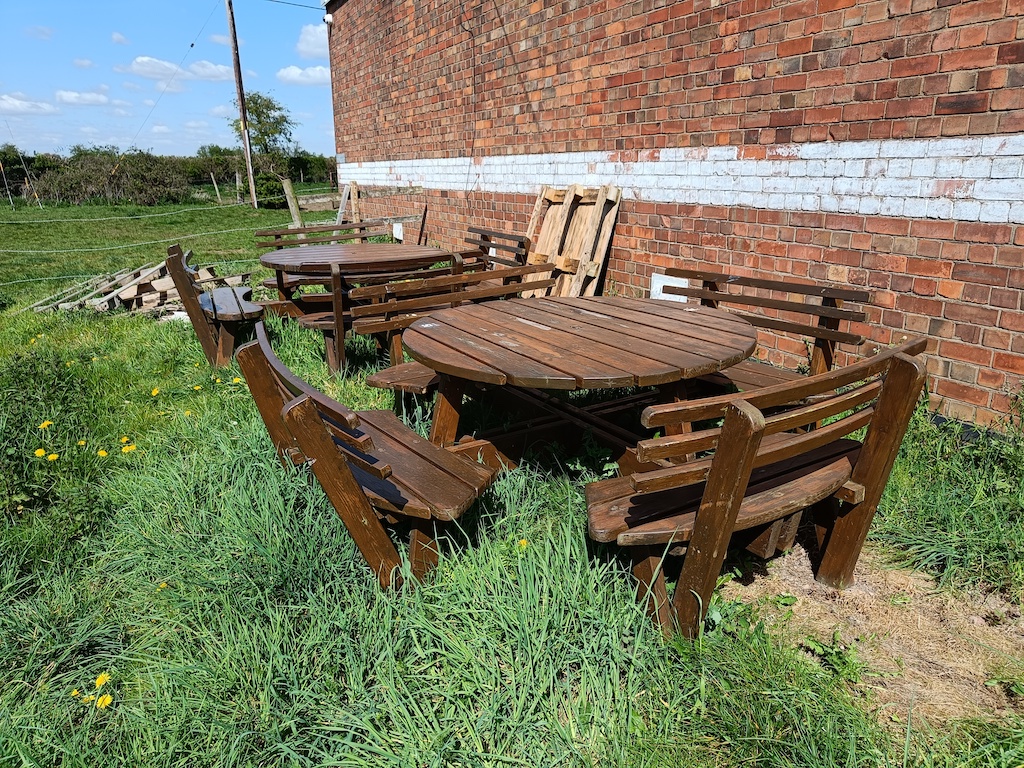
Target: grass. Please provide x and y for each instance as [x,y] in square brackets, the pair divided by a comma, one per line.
[239,627]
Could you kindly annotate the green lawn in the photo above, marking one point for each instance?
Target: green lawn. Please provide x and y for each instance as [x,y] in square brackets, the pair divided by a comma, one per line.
[164,545]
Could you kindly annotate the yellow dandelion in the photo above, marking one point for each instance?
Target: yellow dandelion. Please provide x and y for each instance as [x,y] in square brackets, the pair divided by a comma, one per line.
[217,380]
[95,359]
[188,413]
[31,341]
[40,452]
[87,699]
[124,439]
[523,543]
[197,365]
[101,453]
[197,387]
[53,457]
[76,693]
[68,363]
[155,392]
[236,380]
[81,442]
[127,448]
[103,679]
[163,585]
[104,701]
[46,424]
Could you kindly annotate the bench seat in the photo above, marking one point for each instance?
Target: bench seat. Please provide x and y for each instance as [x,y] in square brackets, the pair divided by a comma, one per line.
[413,377]
[230,304]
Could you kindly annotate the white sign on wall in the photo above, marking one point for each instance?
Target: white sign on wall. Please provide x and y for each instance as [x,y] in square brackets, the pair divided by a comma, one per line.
[658,283]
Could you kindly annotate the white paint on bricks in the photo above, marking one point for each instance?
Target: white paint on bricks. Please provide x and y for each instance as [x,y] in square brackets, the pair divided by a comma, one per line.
[966,179]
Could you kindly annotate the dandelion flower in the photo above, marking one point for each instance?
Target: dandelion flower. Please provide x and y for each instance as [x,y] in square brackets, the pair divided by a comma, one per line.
[53,457]
[124,439]
[197,387]
[523,543]
[81,442]
[87,699]
[101,453]
[218,381]
[103,679]
[236,380]
[104,701]
[163,585]
[40,452]
[155,392]
[76,693]
[188,413]
[31,341]
[46,424]
[127,448]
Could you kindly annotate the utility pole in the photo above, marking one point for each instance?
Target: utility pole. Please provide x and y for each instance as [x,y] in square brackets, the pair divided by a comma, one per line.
[242,118]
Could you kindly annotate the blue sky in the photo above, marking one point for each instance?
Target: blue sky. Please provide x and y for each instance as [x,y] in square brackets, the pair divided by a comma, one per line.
[107,73]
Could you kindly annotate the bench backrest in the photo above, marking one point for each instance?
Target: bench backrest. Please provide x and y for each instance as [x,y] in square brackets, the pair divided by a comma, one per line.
[273,385]
[495,247]
[815,311]
[359,231]
[397,304]
[185,279]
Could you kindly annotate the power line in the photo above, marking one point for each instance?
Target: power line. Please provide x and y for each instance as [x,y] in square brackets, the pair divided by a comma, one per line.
[297,5]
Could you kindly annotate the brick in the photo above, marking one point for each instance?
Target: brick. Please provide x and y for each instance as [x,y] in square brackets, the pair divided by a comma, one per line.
[963,103]
[1006,361]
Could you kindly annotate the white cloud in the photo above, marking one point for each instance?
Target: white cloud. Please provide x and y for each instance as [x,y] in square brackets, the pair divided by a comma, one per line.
[118,38]
[82,99]
[160,129]
[169,76]
[309,76]
[83,63]
[207,70]
[17,104]
[196,125]
[148,103]
[40,33]
[313,42]
[88,130]
[224,110]
[222,40]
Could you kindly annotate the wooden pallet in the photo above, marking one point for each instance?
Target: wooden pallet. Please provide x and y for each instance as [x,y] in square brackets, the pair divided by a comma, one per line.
[572,228]
[148,288]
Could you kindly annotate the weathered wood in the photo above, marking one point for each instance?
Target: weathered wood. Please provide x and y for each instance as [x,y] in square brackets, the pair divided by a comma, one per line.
[819,308]
[572,229]
[374,469]
[217,316]
[764,471]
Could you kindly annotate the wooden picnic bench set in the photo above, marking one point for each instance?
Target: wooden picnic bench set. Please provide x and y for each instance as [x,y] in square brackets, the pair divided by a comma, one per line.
[730,450]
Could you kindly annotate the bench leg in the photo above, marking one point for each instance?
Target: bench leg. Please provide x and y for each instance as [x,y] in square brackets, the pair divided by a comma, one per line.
[444,427]
[423,548]
[226,343]
[650,588]
[334,350]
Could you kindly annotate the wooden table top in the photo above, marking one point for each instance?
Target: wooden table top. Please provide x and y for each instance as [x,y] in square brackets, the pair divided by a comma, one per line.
[352,257]
[581,343]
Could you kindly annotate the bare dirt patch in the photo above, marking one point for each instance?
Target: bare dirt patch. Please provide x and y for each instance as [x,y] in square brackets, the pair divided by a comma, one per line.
[926,651]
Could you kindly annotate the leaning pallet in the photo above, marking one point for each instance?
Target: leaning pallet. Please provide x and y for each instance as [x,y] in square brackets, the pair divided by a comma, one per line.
[572,228]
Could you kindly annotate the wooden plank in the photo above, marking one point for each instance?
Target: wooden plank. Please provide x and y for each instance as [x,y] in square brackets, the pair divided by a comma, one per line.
[450,360]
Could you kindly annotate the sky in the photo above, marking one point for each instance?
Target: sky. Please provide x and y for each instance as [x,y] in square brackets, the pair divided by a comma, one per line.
[157,76]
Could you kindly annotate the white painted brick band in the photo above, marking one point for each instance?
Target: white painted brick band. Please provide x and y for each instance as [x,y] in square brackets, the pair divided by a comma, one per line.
[967,179]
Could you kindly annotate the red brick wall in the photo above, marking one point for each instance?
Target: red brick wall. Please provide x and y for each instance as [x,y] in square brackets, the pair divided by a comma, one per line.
[427,81]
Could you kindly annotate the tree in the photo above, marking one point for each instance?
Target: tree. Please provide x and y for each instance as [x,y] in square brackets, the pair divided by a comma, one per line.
[270,126]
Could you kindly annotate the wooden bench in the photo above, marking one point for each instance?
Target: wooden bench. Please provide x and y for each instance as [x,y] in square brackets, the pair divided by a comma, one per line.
[385,310]
[814,311]
[218,315]
[374,469]
[492,247]
[769,463]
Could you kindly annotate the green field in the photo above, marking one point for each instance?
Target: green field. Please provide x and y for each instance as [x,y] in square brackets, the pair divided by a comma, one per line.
[157,540]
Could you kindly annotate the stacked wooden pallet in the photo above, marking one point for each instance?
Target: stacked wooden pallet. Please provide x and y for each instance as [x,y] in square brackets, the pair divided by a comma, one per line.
[149,288]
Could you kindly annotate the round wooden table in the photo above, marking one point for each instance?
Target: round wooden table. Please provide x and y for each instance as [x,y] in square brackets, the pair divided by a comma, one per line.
[353,258]
[566,343]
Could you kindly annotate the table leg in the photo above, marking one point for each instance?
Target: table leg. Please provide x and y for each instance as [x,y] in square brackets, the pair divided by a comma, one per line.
[675,392]
[284,294]
[444,428]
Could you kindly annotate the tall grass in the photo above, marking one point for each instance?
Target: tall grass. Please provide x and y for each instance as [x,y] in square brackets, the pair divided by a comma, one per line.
[239,627]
